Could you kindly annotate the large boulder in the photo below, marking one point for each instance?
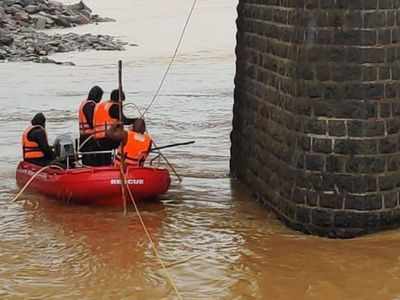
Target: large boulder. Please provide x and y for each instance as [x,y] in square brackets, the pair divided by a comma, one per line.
[63,21]
[12,10]
[2,14]
[22,3]
[43,7]
[9,2]
[55,5]
[77,7]
[32,9]
[21,16]
[79,19]
[40,21]
[86,13]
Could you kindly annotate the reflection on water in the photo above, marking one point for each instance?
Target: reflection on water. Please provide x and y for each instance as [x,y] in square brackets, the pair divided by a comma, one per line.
[218,243]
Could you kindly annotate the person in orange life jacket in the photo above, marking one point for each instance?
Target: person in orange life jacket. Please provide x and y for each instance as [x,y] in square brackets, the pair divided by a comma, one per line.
[106,115]
[86,126]
[35,146]
[137,145]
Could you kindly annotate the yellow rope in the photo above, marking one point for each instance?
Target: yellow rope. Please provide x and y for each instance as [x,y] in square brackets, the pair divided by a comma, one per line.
[32,178]
[152,243]
[172,59]
[182,261]
[137,211]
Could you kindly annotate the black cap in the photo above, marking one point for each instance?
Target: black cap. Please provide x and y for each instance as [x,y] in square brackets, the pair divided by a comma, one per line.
[39,119]
[115,96]
[95,94]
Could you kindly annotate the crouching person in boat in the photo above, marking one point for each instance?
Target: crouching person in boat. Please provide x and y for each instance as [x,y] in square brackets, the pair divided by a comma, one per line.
[87,140]
[35,146]
[136,144]
[107,115]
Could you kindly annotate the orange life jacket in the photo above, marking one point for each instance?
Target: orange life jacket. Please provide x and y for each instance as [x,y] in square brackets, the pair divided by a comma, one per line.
[31,149]
[102,120]
[136,149]
[84,128]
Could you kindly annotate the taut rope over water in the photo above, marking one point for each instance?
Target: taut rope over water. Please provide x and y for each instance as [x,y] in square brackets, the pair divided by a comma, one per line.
[162,155]
[172,59]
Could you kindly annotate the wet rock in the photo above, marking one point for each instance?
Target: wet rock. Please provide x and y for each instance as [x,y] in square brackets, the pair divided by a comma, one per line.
[98,19]
[80,6]
[23,3]
[63,21]
[32,9]
[5,38]
[55,4]
[7,2]
[22,16]
[86,13]
[43,7]
[12,10]
[39,21]
[79,20]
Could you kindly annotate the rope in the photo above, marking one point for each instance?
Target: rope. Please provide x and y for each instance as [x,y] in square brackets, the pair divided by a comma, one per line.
[134,105]
[137,212]
[32,178]
[171,281]
[159,151]
[85,141]
[182,261]
[172,59]
[169,164]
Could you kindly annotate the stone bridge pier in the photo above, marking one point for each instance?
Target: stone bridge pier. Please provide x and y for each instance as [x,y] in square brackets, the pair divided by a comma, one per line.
[317,112]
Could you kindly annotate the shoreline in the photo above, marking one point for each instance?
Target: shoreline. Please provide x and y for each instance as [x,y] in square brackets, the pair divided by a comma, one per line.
[23,37]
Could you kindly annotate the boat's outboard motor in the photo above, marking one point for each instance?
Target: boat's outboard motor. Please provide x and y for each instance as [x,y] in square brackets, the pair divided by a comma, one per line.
[64,149]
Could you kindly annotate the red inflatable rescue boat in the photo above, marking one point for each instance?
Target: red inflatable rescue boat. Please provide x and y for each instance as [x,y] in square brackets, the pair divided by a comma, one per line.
[94,185]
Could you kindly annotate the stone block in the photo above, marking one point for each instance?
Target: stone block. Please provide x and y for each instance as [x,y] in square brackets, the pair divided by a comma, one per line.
[350,219]
[366,164]
[390,199]
[331,200]
[336,163]
[303,214]
[322,217]
[388,182]
[360,128]
[364,203]
[389,144]
[315,162]
[336,128]
[322,145]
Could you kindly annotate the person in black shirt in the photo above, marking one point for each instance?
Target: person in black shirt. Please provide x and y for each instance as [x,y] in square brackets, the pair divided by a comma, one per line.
[86,128]
[95,95]
[114,110]
[36,148]
[109,143]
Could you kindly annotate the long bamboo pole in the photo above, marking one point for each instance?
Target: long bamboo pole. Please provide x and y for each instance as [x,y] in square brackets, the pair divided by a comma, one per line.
[122,164]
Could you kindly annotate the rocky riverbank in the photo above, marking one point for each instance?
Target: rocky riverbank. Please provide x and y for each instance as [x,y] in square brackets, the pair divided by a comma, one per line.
[22,25]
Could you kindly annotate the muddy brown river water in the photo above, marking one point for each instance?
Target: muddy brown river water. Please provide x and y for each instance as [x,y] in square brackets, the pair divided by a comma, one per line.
[217,241]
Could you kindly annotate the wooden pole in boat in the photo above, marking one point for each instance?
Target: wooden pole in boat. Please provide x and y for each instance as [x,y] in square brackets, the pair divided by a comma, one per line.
[122,164]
